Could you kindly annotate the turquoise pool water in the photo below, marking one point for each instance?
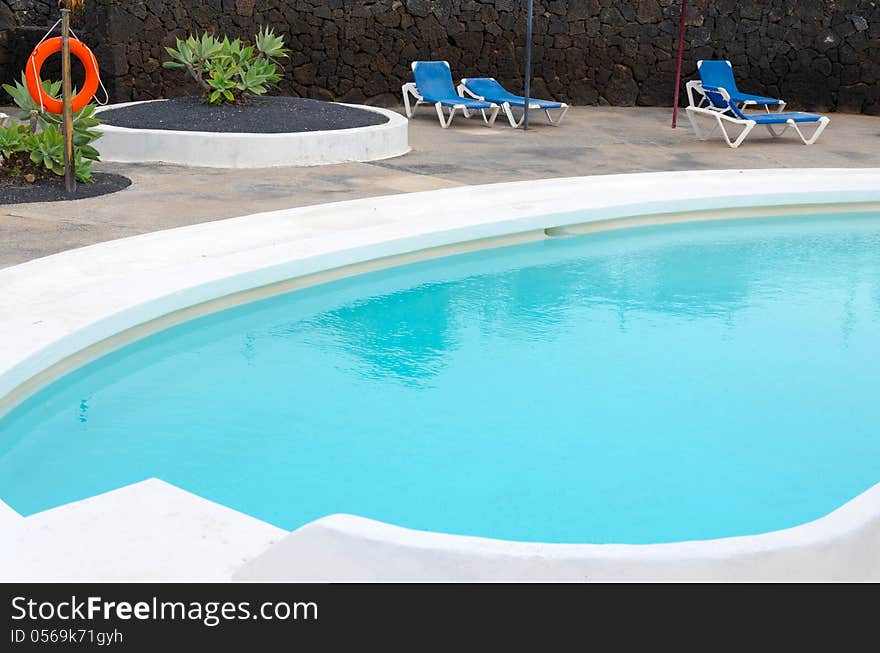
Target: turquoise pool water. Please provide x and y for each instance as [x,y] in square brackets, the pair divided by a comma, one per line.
[651,385]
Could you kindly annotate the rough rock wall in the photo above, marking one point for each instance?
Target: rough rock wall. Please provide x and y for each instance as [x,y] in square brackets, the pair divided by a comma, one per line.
[817,54]
[14,13]
[22,24]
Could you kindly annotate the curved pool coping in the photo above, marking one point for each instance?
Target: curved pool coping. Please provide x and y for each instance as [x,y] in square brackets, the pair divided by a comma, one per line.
[64,309]
[236,150]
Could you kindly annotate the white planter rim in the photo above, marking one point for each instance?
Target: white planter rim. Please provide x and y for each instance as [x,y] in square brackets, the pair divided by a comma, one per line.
[252,149]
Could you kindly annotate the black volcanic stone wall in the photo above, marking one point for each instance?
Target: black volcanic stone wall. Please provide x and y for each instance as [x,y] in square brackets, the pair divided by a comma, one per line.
[22,24]
[13,14]
[817,54]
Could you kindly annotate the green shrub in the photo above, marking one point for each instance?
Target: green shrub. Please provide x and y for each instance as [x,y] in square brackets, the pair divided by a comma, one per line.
[230,71]
[37,146]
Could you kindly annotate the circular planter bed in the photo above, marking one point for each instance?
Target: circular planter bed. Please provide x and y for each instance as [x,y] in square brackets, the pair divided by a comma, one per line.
[52,190]
[266,132]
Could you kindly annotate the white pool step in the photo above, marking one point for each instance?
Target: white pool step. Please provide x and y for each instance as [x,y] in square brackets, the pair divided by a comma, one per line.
[149,531]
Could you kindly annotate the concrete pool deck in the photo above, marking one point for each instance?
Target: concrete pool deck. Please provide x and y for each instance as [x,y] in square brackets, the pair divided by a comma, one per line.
[591,141]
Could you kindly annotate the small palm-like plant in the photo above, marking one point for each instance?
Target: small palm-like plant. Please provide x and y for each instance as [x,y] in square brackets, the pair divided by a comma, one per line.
[230,71]
[11,140]
[35,147]
[36,140]
[47,149]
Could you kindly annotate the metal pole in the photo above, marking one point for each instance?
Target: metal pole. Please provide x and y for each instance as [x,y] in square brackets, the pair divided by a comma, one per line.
[681,28]
[66,97]
[528,73]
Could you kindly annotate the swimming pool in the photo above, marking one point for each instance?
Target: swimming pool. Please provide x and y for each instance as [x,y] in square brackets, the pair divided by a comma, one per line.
[650,385]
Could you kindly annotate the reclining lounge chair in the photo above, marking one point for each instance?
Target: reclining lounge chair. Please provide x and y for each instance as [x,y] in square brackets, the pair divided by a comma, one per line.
[433,85]
[719,73]
[488,89]
[723,110]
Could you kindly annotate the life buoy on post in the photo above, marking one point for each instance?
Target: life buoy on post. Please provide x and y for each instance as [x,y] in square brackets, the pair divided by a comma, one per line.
[35,64]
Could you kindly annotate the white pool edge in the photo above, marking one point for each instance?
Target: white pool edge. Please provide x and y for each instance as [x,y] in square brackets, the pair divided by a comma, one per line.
[68,302]
[841,546]
[235,150]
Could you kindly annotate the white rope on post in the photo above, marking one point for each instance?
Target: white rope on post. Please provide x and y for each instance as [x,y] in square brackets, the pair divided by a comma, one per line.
[100,81]
[34,63]
[94,63]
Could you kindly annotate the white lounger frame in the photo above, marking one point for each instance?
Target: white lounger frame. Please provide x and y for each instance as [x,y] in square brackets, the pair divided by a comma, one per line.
[721,119]
[695,85]
[464,91]
[410,89]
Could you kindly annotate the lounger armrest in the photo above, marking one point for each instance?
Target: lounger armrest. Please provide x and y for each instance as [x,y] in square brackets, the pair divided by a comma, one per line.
[464,91]
[412,89]
[716,89]
[714,113]
[690,87]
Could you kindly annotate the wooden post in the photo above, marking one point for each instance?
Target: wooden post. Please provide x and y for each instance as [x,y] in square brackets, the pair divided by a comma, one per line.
[528,72]
[682,26]
[66,99]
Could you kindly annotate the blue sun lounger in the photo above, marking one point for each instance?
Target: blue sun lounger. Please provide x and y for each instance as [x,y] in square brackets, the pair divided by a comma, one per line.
[433,85]
[488,88]
[723,110]
[719,73]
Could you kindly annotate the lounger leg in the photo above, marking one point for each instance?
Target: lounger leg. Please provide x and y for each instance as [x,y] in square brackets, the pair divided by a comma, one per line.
[702,133]
[823,122]
[777,134]
[492,116]
[406,106]
[508,111]
[779,107]
[562,111]
[712,130]
[410,108]
[698,130]
[750,125]
[444,122]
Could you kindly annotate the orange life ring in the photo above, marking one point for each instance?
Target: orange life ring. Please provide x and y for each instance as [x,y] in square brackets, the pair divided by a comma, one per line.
[35,64]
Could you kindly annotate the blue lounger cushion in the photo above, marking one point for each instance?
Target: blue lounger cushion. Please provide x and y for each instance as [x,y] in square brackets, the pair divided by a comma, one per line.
[776,118]
[466,102]
[716,99]
[489,89]
[742,98]
[434,81]
[715,72]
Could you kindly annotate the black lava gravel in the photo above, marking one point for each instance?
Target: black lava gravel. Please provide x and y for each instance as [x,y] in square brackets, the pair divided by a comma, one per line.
[261,115]
[52,190]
